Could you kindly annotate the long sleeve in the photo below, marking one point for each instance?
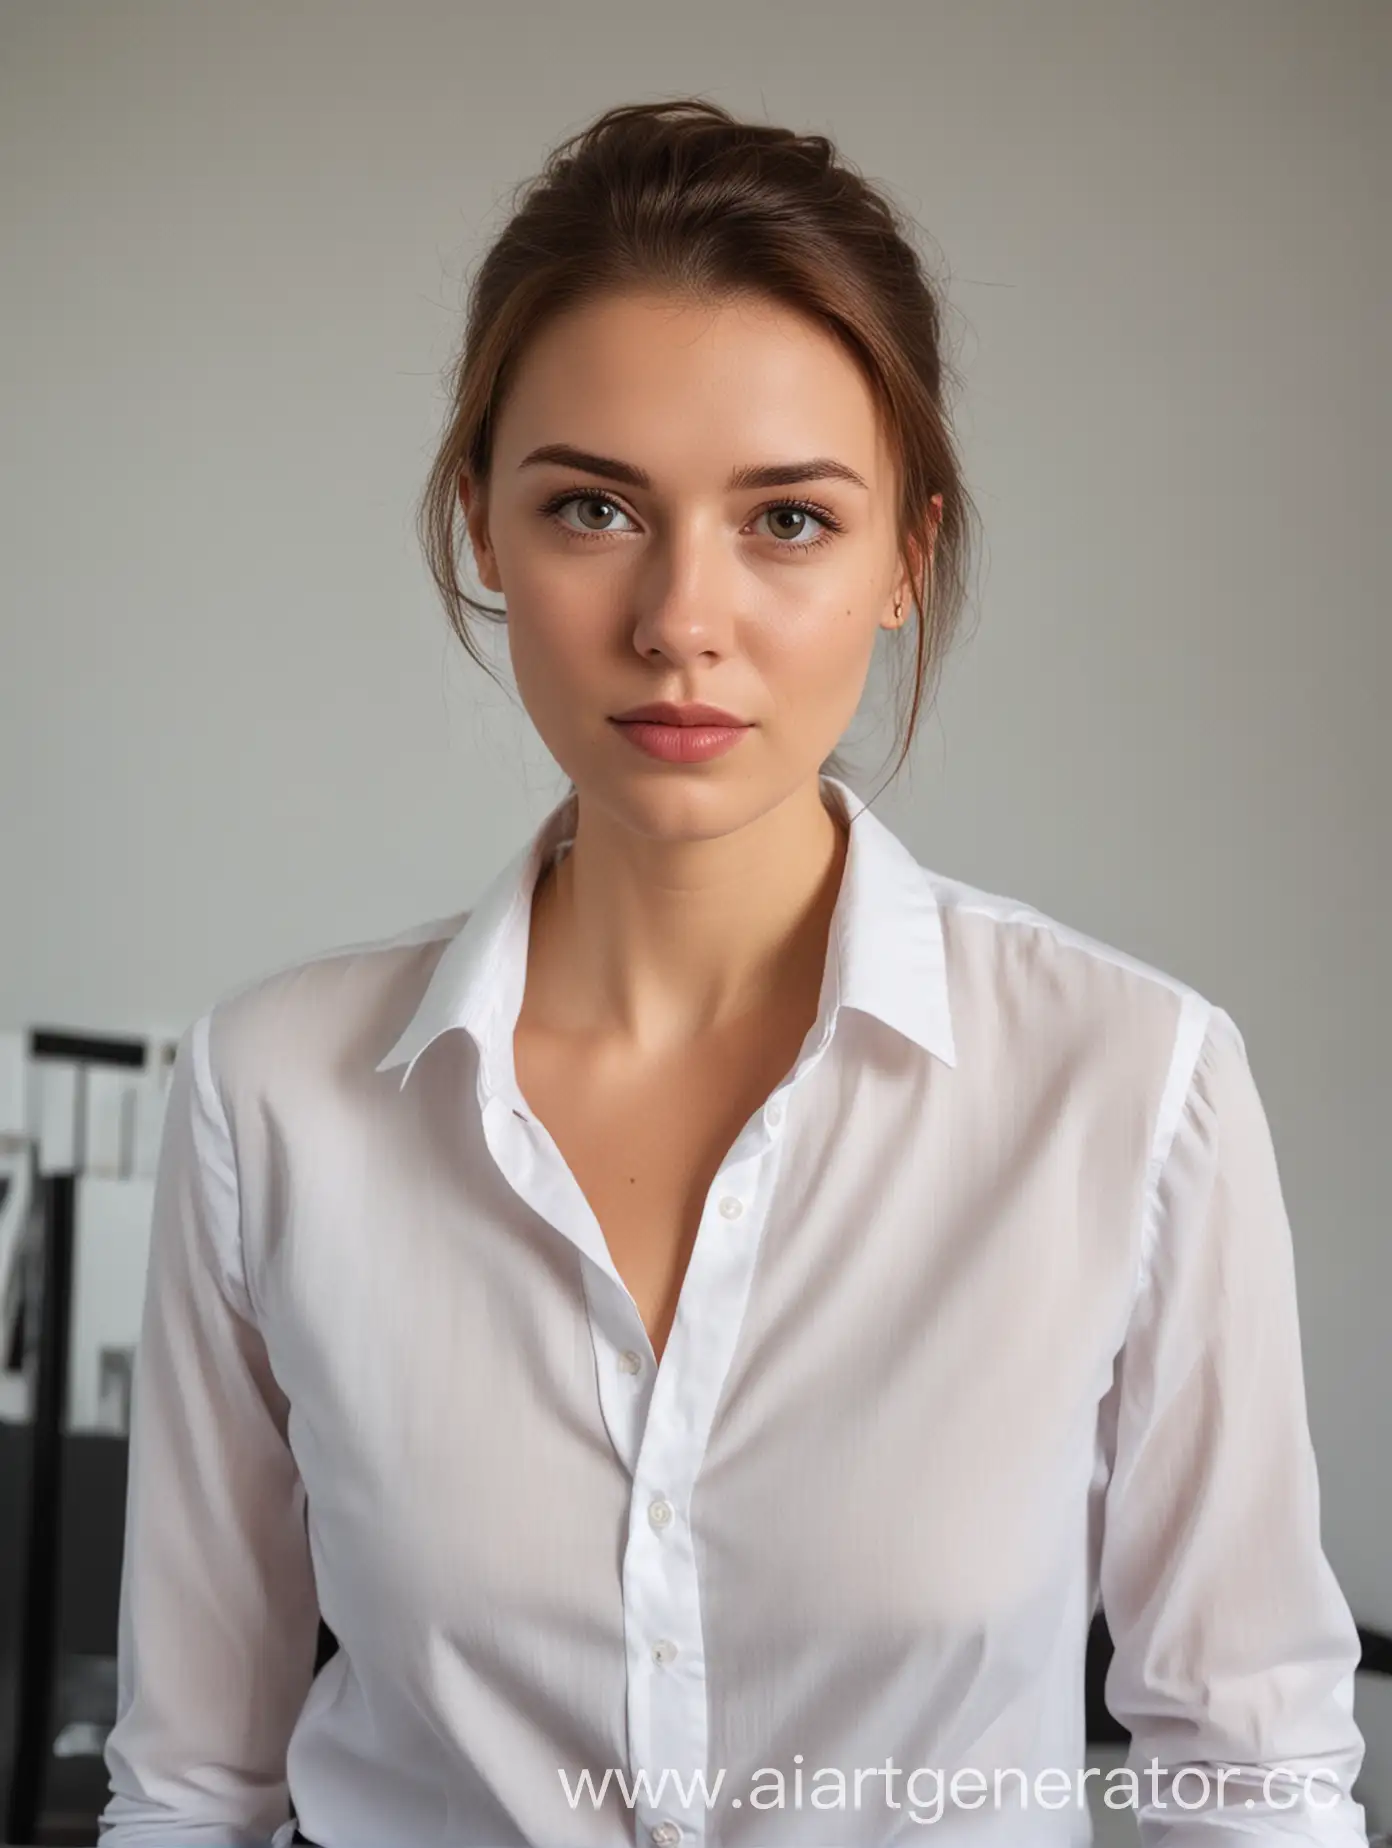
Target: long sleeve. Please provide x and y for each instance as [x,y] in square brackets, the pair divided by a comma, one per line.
[218,1614]
[1234,1646]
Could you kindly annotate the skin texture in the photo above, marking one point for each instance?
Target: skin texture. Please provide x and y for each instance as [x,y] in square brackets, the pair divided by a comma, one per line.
[676,955]
[687,879]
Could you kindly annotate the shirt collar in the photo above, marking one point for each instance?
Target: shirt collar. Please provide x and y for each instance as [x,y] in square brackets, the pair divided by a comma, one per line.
[886,955]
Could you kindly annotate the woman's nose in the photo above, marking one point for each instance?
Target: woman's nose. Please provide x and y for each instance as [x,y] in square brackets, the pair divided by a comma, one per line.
[684,606]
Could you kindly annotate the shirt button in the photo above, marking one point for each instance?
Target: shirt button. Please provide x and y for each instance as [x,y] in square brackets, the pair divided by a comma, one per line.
[629,1361]
[660,1512]
[665,1834]
[664,1652]
[730,1207]
[774,1115]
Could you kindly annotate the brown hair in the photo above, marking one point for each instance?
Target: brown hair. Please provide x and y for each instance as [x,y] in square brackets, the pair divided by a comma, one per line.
[683,197]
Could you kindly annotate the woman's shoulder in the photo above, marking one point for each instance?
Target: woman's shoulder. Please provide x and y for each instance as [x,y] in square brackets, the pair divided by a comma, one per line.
[997,930]
[329,1009]
[1025,979]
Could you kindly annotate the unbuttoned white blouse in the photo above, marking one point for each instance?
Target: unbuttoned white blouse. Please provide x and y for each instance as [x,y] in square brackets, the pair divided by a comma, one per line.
[991,1312]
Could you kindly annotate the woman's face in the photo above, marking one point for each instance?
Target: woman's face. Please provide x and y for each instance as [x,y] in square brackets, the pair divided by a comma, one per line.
[640,562]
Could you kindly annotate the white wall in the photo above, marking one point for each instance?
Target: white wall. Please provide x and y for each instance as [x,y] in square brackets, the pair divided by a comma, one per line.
[234,729]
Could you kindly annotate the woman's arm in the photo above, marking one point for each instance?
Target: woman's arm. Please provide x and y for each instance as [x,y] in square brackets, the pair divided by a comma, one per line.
[218,1609]
[1234,1645]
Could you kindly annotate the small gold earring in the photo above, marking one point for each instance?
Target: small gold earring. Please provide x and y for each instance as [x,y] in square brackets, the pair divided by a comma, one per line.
[898,611]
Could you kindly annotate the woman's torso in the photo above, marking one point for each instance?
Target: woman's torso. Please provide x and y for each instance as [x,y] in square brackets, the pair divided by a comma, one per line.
[850,1508]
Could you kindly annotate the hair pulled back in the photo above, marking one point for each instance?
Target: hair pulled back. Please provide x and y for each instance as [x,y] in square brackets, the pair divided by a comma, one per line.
[682,197]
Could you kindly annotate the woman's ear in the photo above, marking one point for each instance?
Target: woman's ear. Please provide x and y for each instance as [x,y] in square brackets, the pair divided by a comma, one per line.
[935,511]
[473,501]
[923,568]
[905,588]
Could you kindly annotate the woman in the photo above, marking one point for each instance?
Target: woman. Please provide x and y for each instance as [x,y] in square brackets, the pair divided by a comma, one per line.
[725,1306]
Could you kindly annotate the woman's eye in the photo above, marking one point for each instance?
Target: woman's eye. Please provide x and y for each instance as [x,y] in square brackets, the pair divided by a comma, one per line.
[586,505]
[790,524]
[793,526]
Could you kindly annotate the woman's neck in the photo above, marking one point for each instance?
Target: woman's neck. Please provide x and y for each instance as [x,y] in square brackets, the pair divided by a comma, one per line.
[658,943]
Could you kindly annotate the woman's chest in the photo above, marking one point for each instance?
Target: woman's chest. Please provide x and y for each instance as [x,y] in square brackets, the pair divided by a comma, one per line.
[882,1404]
[903,1434]
[645,1139]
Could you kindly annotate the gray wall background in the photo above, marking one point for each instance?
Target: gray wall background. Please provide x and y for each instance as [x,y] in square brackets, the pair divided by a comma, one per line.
[234,728]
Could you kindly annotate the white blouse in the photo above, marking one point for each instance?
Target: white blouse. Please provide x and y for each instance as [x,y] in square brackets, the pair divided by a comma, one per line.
[991,1312]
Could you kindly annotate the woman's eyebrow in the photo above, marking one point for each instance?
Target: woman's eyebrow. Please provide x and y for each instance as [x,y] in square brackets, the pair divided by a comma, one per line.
[768,475]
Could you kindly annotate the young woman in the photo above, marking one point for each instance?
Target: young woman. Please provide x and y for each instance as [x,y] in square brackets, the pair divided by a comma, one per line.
[726,1306]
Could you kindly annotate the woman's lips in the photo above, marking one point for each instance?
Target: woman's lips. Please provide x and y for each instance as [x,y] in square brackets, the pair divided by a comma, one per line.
[681,744]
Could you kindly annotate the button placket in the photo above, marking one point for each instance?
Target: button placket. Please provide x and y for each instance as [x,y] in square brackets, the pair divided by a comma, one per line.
[667,1692]
[667,1715]
[623,1371]
[659,1420]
